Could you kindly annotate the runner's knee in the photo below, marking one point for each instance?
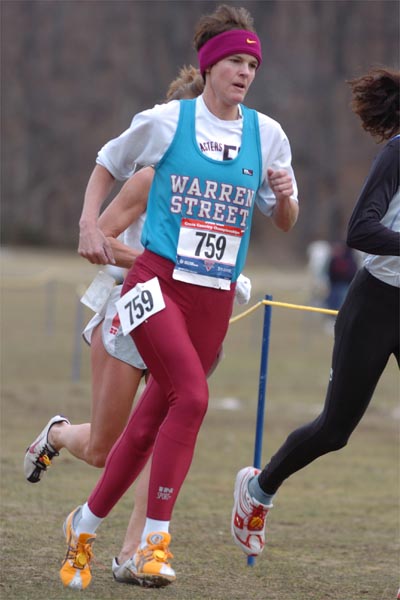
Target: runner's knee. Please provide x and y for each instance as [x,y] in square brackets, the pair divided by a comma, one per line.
[97,455]
[334,440]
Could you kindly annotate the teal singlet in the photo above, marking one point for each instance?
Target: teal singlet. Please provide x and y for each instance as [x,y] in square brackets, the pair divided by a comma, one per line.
[199,209]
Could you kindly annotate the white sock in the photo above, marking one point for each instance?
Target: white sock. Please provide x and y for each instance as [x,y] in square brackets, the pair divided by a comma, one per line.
[151,526]
[86,521]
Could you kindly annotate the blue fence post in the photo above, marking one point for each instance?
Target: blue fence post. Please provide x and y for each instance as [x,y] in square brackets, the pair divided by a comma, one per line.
[261,394]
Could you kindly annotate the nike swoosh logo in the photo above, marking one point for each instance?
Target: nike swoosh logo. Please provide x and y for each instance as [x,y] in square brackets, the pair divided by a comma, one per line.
[32,448]
[249,41]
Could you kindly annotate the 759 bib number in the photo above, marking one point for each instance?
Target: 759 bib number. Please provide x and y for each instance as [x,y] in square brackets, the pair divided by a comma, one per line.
[210,245]
[140,303]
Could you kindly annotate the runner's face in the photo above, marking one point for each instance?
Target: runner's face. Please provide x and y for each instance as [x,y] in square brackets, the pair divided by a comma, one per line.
[231,77]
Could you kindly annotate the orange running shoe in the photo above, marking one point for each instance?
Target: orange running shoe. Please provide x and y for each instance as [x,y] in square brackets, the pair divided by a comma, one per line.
[75,571]
[150,566]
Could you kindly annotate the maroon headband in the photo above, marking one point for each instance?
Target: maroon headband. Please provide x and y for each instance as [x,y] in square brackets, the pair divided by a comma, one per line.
[234,41]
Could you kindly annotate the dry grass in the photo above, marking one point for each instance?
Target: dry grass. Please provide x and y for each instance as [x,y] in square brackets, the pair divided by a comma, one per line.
[334,531]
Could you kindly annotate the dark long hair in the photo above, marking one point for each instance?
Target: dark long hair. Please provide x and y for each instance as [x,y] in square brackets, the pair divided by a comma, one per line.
[376,100]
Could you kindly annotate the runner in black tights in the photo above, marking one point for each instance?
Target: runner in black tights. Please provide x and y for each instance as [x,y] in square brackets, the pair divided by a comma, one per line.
[367,328]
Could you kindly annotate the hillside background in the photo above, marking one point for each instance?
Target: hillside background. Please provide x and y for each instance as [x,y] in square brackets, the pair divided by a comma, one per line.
[74,72]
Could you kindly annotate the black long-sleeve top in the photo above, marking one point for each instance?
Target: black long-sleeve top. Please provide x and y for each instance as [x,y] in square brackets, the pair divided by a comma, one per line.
[374,225]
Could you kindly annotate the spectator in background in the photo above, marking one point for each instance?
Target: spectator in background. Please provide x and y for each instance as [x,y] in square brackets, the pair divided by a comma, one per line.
[341,268]
[318,253]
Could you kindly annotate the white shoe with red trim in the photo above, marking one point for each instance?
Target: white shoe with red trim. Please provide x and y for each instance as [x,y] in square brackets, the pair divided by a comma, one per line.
[248,515]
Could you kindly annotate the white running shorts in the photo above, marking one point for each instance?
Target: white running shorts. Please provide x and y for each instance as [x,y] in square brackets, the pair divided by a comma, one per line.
[123,347]
[117,345]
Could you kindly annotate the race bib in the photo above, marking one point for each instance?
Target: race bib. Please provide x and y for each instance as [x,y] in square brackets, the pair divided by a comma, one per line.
[207,253]
[140,303]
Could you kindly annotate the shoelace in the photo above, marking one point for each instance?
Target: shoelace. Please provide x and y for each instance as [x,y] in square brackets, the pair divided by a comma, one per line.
[159,552]
[44,458]
[81,555]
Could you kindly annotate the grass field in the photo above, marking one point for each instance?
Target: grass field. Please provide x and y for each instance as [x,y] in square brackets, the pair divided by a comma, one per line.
[334,530]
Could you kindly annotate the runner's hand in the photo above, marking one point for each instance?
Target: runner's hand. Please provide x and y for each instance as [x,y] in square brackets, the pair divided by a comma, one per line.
[95,247]
[280,183]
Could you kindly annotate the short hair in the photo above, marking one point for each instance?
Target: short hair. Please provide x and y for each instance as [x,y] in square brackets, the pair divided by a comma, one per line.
[224,18]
